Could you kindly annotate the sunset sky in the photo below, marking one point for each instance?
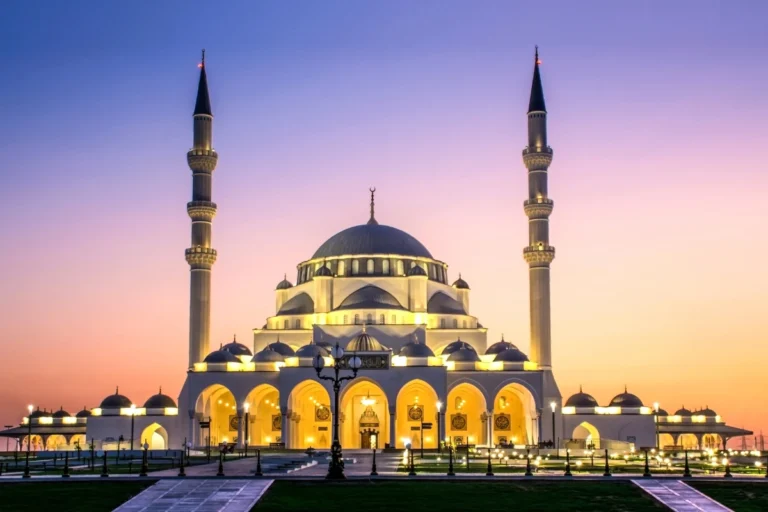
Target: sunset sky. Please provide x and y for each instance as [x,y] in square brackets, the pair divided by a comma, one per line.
[657,118]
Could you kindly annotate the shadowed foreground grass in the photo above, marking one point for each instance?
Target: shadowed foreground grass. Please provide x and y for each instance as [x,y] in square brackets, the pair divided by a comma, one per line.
[70,495]
[616,496]
[739,496]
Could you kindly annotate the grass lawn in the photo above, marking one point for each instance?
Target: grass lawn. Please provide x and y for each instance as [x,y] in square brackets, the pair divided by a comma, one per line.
[286,495]
[70,495]
[739,496]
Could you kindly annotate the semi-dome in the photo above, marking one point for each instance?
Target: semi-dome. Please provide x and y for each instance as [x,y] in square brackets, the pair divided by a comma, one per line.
[416,349]
[683,412]
[581,399]
[463,355]
[626,399]
[85,413]
[116,401]
[221,356]
[282,349]
[61,413]
[301,304]
[371,239]
[284,284]
[511,355]
[499,346]
[460,284]
[159,401]
[443,304]
[364,342]
[312,349]
[268,355]
[370,297]
[456,345]
[416,270]
[237,349]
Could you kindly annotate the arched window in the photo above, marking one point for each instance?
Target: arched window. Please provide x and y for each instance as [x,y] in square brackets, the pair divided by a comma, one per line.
[393,320]
[400,269]
[432,272]
[357,319]
[341,268]
[455,323]
[442,323]
[346,319]
[297,324]
[355,267]
[385,267]
[369,319]
[369,266]
[382,319]
[285,324]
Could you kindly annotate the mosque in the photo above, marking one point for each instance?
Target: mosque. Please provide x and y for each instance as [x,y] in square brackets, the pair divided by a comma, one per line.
[429,373]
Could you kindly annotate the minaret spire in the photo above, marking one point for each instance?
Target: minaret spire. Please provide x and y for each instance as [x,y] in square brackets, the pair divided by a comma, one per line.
[372,220]
[202,159]
[536,103]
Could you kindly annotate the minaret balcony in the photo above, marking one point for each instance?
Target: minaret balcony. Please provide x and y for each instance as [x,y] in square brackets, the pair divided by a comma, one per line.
[202,160]
[201,210]
[536,158]
[538,208]
[539,255]
[200,257]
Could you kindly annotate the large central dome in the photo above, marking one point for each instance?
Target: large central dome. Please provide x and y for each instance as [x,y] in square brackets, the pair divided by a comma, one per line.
[372,239]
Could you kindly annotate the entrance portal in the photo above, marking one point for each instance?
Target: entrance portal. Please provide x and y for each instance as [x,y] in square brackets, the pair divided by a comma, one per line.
[369,429]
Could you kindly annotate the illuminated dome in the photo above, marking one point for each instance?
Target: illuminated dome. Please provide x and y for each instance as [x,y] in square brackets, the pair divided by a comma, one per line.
[61,413]
[499,346]
[85,413]
[460,284]
[268,355]
[372,239]
[282,349]
[116,401]
[626,399]
[456,345]
[311,350]
[416,349]
[36,414]
[709,413]
[683,412]
[463,355]
[581,399]
[237,349]
[511,355]
[284,284]
[365,343]
[662,412]
[221,356]
[159,401]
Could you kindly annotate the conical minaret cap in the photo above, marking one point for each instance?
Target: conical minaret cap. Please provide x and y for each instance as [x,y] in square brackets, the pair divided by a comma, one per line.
[536,103]
[203,103]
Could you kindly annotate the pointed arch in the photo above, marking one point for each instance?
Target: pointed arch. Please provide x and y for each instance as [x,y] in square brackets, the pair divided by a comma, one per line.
[262,404]
[587,436]
[307,420]
[216,404]
[416,402]
[514,414]
[465,416]
[365,411]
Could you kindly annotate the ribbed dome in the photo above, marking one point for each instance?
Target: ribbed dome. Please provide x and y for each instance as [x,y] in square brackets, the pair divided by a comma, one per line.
[221,356]
[284,284]
[268,355]
[159,401]
[499,346]
[626,399]
[237,349]
[463,355]
[415,349]
[282,349]
[116,401]
[61,413]
[460,284]
[683,412]
[581,399]
[456,345]
[511,355]
[371,239]
[364,342]
[85,413]
[416,270]
[311,350]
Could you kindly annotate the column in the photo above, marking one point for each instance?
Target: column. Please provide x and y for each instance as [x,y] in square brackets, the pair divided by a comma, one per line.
[240,428]
[392,426]
[441,428]
[285,429]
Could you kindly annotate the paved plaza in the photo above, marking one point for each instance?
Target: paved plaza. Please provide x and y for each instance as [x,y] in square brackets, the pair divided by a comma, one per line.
[198,495]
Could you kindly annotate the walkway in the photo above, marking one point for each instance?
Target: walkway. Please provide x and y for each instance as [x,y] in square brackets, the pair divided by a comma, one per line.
[678,496]
[180,495]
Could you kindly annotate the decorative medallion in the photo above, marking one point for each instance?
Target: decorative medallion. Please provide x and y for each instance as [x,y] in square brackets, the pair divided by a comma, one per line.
[415,412]
[277,422]
[234,422]
[458,422]
[502,422]
[322,413]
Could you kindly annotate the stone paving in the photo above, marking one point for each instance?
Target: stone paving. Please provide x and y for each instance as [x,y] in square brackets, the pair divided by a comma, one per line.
[678,496]
[199,495]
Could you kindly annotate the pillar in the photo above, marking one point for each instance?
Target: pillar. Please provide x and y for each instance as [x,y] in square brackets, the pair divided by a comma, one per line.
[392,426]
[240,428]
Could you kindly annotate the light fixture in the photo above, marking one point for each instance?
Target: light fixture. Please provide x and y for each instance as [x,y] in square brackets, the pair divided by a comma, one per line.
[367,400]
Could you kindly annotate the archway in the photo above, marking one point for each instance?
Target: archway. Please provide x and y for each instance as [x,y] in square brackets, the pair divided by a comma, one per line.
[666,441]
[713,441]
[416,403]
[465,415]
[37,442]
[309,417]
[155,436]
[79,440]
[587,436]
[688,442]
[56,442]
[263,425]
[216,404]
[365,412]
[514,413]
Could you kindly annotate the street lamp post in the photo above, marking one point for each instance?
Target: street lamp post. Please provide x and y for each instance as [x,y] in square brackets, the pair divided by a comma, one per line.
[439,435]
[336,467]
[133,422]
[29,440]
[247,407]
[656,420]
[553,405]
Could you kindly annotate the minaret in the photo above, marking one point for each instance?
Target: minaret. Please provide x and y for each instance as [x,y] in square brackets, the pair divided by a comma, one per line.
[539,254]
[201,256]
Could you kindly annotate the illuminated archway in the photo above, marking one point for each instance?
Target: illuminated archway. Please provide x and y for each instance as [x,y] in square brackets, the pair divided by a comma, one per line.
[36,440]
[514,416]
[79,440]
[587,436]
[56,442]
[416,403]
[365,410]
[217,404]
[309,407]
[713,441]
[688,442]
[155,436]
[465,415]
[666,441]
[263,415]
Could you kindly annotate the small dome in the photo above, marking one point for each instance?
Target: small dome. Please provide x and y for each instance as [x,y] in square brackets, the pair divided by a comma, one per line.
[325,344]
[709,413]
[581,399]
[311,350]
[456,345]
[626,399]
[324,271]
[268,355]
[221,356]
[511,355]
[282,349]
[416,349]
[499,346]
[416,270]
[85,413]
[37,414]
[662,412]
[284,284]
[159,401]
[237,349]
[463,355]
[61,413]
[116,401]
[364,342]
[683,412]
[460,284]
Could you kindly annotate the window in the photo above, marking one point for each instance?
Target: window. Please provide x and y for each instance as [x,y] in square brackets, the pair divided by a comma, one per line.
[357,319]
[400,269]
[355,267]
[297,324]
[346,319]
[369,319]
[455,323]
[464,324]
[442,323]
[369,266]
[385,267]
[432,272]
[285,324]
[341,269]
[382,320]
[393,319]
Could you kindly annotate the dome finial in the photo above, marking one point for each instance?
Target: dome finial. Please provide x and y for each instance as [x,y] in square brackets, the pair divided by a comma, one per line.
[580,389]
[372,220]
[117,390]
[160,391]
[234,337]
[625,388]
